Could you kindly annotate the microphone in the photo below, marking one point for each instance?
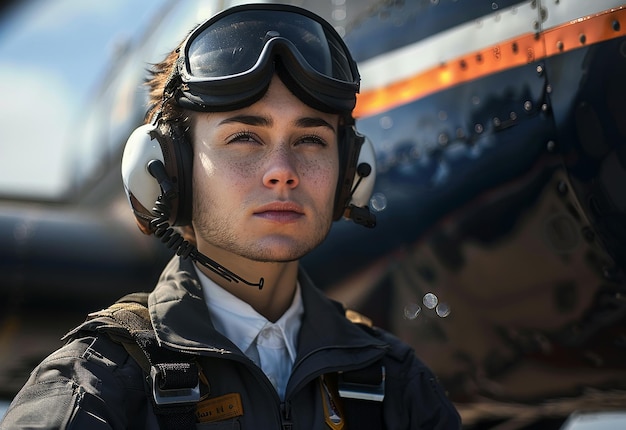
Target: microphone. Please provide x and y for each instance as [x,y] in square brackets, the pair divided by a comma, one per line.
[157,169]
[172,239]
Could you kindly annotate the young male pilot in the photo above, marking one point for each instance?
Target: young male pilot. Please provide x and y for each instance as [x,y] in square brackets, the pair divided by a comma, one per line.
[250,148]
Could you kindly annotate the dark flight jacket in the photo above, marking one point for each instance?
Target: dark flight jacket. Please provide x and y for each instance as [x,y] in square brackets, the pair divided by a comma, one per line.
[92,382]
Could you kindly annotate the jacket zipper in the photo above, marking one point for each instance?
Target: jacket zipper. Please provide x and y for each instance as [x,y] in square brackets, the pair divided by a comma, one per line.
[287,424]
[284,408]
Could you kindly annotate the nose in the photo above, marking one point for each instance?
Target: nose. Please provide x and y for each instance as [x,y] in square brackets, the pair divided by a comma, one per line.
[281,170]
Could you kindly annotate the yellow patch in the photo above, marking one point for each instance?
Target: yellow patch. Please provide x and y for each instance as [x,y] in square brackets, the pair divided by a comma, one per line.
[219,408]
[358,318]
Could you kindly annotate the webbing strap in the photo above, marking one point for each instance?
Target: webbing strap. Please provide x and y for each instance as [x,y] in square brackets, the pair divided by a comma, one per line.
[173,375]
[363,414]
[362,392]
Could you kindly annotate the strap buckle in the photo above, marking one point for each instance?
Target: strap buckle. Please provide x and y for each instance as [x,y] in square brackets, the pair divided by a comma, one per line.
[166,394]
[365,384]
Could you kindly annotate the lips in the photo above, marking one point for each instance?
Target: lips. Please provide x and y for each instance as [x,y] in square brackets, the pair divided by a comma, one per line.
[282,212]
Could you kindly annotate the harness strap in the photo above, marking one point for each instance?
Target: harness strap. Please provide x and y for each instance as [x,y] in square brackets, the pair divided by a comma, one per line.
[174,378]
[362,392]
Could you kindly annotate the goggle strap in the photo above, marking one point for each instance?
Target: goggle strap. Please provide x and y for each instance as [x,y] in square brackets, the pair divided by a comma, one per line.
[171,87]
[174,80]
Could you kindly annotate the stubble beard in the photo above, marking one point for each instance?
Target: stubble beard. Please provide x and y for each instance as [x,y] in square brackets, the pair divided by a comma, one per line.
[218,232]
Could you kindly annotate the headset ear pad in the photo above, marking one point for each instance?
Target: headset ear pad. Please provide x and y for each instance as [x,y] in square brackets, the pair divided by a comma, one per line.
[354,150]
[178,159]
[167,144]
[365,175]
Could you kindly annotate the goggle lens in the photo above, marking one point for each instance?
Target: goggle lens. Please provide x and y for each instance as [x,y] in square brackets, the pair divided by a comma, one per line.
[235,44]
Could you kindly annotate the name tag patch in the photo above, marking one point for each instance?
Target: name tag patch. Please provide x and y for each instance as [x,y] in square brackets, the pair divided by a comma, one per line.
[219,408]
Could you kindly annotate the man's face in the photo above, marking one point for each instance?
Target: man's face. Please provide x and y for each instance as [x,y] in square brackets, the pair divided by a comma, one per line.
[264,178]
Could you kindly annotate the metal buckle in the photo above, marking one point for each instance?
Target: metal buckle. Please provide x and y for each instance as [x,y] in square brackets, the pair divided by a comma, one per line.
[172,396]
[360,391]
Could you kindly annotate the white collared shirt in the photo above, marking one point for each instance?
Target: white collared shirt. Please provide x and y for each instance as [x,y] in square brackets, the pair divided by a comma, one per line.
[271,346]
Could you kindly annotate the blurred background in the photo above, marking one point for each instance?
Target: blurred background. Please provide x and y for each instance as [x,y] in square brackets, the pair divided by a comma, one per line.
[501,150]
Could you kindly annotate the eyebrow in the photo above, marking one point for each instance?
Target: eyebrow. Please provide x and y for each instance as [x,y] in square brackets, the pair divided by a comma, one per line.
[263,121]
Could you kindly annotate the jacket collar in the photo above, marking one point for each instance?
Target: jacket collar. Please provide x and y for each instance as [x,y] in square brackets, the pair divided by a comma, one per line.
[181,320]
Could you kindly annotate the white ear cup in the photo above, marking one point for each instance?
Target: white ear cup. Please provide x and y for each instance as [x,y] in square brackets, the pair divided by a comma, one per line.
[363,192]
[140,149]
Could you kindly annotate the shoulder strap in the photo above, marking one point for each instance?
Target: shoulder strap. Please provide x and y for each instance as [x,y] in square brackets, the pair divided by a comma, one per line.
[174,376]
[362,391]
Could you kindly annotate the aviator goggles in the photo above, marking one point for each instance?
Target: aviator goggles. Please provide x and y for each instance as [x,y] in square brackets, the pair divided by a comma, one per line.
[227,62]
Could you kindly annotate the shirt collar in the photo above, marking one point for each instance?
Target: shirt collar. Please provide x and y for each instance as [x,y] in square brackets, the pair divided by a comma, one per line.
[241,323]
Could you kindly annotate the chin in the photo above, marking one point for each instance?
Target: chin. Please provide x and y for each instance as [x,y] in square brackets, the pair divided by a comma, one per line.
[282,251]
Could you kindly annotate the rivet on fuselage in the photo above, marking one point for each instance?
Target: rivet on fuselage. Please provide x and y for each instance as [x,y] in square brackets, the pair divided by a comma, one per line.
[616,26]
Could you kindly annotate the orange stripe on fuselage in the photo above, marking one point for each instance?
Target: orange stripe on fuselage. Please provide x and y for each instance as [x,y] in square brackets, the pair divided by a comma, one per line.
[525,49]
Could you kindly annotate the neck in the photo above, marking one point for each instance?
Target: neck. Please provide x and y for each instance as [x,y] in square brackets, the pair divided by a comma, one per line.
[278,289]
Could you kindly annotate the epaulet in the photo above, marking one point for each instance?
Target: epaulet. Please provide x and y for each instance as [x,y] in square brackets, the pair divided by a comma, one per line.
[124,322]
[358,318]
[108,320]
[130,311]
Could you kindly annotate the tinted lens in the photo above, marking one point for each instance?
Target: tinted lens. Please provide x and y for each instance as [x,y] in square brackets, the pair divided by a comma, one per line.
[232,45]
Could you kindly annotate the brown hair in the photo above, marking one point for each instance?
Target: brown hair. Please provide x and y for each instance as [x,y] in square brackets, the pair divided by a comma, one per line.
[158,78]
